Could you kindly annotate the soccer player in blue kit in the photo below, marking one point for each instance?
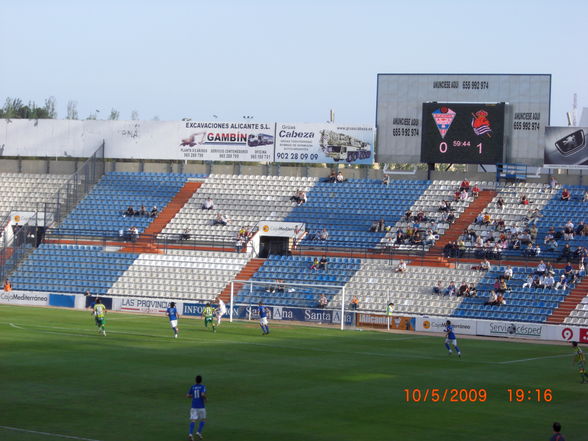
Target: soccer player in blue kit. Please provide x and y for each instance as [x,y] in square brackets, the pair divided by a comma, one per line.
[450,339]
[173,315]
[263,318]
[197,393]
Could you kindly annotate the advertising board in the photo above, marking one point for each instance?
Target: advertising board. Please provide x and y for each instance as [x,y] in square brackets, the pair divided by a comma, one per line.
[566,147]
[24,298]
[324,143]
[437,324]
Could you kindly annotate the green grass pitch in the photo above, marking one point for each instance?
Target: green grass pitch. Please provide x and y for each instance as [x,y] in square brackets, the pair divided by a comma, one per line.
[58,376]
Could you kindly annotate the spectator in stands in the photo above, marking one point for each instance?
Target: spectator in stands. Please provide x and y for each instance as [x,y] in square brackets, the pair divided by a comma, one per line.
[465,185]
[532,216]
[429,238]
[323,301]
[561,283]
[332,177]
[420,217]
[500,203]
[566,253]
[524,200]
[239,244]
[486,265]
[507,275]
[580,254]
[566,195]
[486,219]
[553,183]
[7,285]
[185,235]
[551,244]
[379,226]
[437,287]
[585,198]
[475,191]
[386,180]
[154,211]
[208,204]
[537,250]
[492,299]
[548,281]
[463,290]
[401,267]
[580,229]
[463,196]
[460,248]
[451,289]
[449,250]
[315,264]
[407,215]
[445,206]
[339,177]
[133,234]
[473,292]
[279,286]
[130,211]
[581,270]
[354,304]
[530,250]
[143,211]
[456,195]
[324,234]
[450,218]
[541,269]
[220,219]
[528,282]
[323,263]
[568,270]
[299,197]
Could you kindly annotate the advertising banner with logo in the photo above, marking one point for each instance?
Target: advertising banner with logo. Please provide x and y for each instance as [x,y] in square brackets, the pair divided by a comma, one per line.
[381,321]
[280,229]
[437,324]
[566,147]
[24,298]
[329,143]
[132,304]
[534,331]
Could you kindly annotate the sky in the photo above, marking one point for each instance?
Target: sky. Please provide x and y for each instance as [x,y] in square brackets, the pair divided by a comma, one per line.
[288,61]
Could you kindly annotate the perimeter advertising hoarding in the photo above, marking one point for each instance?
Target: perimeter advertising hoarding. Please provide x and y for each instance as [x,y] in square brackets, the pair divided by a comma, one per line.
[330,143]
[399,110]
[462,133]
[566,147]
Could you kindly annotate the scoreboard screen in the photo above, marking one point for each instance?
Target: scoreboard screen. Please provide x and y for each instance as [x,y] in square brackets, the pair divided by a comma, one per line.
[460,133]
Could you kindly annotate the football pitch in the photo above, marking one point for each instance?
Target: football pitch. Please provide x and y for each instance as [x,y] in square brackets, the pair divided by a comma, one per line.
[60,380]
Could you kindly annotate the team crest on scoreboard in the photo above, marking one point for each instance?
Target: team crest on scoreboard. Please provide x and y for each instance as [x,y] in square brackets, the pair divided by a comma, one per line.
[481,123]
[443,118]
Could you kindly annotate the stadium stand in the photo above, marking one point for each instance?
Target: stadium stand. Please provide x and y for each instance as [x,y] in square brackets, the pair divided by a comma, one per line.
[101,211]
[294,270]
[179,274]
[23,191]
[245,200]
[579,315]
[347,210]
[71,269]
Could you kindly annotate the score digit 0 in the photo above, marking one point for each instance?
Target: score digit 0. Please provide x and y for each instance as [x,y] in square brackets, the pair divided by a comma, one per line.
[443,147]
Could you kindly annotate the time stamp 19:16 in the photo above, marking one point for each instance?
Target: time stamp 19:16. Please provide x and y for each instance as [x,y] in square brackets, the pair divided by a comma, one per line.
[463,395]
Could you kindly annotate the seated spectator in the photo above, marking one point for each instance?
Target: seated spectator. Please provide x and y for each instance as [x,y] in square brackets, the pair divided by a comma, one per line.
[463,195]
[451,289]
[401,267]
[524,200]
[339,177]
[532,216]
[553,183]
[154,211]
[530,250]
[486,219]
[581,272]
[378,227]
[449,250]
[496,285]
[220,219]
[332,177]
[548,281]
[541,269]
[500,299]
[456,195]
[239,244]
[461,248]
[568,270]
[465,185]
[279,286]
[507,273]
[566,195]
[580,254]
[500,225]
[354,304]
[129,212]
[500,203]
[7,285]
[323,263]
[132,234]
[566,253]
[407,215]
[486,265]
[492,299]
[473,291]
[552,245]
[185,235]
[445,206]
[299,197]
[450,218]
[430,238]
[537,250]
[323,301]
[585,198]
[386,180]
[580,229]
[529,282]
[437,287]
[315,264]
[324,234]
[463,290]
[562,283]
[420,217]
[475,191]
[143,211]
[208,204]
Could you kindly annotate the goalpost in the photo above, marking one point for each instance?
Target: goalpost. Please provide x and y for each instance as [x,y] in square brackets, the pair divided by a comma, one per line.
[290,301]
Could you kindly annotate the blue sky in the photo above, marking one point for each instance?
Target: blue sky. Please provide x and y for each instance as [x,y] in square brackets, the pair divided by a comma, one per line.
[276,60]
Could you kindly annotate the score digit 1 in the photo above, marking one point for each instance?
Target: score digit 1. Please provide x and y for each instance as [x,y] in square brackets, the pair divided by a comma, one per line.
[480,148]
[443,147]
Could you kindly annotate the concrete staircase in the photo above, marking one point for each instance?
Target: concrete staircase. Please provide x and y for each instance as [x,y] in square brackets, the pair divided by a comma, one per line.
[245,274]
[570,302]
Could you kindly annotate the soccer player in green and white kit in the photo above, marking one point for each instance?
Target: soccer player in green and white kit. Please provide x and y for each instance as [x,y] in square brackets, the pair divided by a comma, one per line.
[208,314]
[580,361]
[99,313]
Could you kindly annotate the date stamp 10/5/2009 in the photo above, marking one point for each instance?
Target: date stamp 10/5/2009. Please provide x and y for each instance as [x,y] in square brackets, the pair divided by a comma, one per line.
[463,395]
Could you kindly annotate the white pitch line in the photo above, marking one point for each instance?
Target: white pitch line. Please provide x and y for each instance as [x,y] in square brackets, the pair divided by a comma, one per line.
[15,326]
[56,435]
[522,360]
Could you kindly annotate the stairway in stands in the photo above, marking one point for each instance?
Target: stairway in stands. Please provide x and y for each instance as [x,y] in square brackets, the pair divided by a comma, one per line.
[435,257]
[570,302]
[245,274]
[143,244]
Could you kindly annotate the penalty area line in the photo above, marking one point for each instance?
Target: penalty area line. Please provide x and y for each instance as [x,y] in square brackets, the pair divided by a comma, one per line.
[55,435]
[522,360]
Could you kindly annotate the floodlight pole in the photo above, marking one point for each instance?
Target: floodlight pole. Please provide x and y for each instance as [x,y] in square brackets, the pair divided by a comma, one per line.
[232,293]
